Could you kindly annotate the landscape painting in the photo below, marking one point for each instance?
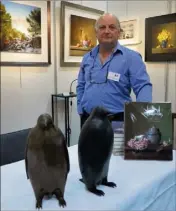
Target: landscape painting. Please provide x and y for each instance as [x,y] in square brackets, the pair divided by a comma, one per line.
[82,35]
[20,28]
[148,131]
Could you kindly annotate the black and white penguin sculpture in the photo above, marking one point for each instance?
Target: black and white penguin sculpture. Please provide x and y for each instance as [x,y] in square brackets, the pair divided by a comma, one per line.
[95,147]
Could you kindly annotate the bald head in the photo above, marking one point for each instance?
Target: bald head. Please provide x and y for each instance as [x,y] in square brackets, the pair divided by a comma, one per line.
[107,29]
[107,16]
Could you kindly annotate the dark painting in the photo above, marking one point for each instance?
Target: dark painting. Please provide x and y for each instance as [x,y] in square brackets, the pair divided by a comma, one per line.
[20,28]
[160,38]
[82,35]
[148,131]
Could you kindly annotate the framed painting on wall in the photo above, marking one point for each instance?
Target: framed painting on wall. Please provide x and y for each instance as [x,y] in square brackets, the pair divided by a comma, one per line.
[160,38]
[148,131]
[129,31]
[77,36]
[25,33]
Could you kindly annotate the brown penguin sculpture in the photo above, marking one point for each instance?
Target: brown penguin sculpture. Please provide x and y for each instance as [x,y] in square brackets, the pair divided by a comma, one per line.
[95,149]
[47,160]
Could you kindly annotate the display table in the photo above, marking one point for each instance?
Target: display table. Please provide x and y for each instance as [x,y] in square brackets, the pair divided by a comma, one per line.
[141,185]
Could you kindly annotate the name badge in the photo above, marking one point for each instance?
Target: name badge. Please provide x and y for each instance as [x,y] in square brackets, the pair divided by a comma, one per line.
[113,76]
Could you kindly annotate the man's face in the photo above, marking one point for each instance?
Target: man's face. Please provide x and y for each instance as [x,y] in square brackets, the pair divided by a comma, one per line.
[108,31]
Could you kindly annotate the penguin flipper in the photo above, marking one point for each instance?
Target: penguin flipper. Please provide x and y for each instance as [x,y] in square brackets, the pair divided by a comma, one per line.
[26,165]
[67,156]
[25,157]
[65,149]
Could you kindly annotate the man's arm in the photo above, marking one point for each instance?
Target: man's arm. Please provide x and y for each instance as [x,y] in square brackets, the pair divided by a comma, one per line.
[139,79]
[80,87]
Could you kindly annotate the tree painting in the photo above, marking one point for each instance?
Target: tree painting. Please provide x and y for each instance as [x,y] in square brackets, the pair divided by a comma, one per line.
[20,28]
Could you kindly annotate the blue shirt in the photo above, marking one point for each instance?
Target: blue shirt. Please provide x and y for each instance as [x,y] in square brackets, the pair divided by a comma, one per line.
[94,89]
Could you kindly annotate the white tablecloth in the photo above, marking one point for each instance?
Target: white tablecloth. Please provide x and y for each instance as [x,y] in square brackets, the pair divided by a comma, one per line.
[141,185]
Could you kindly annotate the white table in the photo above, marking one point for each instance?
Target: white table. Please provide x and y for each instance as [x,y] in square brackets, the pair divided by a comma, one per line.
[141,185]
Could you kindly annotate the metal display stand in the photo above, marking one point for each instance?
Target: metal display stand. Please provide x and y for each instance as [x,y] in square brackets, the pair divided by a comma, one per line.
[66,101]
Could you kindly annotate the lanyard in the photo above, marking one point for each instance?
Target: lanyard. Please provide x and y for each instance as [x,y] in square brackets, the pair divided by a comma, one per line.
[92,68]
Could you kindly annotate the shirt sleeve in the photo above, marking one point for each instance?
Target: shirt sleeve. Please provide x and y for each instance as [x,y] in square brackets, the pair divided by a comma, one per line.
[139,79]
[80,87]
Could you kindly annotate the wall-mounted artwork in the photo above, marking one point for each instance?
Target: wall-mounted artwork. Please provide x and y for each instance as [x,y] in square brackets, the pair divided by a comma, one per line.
[77,32]
[82,35]
[129,31]
[25,33]
[160,38]
[148,131]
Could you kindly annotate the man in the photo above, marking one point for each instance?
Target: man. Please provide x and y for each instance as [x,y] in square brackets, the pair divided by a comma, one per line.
[108,73]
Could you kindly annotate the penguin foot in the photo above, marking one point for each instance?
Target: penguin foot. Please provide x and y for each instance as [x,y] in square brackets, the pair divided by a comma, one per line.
[62,202]
[38,204]
[96,191]
[109,184]
[39,198]
[57,192]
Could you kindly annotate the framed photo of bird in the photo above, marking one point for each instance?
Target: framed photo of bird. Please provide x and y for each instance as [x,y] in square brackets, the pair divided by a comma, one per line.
[77,32]
[160,38]
[25,33]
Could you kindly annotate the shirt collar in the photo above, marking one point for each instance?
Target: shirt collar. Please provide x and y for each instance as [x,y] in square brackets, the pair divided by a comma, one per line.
[94,51]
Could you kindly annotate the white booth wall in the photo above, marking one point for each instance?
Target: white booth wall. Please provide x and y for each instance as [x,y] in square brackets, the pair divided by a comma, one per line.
[26,91]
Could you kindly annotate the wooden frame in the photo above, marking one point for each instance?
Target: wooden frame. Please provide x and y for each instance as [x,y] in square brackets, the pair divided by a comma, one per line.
[43,58]
[160,45]
[67,9]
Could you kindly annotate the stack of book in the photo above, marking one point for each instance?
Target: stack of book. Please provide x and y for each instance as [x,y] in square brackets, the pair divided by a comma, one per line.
[118,148]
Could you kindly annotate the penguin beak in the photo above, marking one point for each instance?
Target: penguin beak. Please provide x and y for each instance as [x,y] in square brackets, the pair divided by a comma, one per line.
[45,122]
[110,117]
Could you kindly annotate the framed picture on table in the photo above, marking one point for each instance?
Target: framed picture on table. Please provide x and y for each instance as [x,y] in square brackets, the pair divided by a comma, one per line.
[25,33]
[77,27]
[148,131]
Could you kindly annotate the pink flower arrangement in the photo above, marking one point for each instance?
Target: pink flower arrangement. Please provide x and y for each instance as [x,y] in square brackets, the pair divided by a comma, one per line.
[138,145]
